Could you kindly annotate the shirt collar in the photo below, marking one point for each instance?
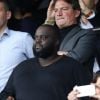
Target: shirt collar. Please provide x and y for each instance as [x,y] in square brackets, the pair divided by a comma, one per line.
[5,32]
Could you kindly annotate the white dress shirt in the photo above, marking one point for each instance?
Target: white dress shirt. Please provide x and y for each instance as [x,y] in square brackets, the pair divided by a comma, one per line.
[15,46]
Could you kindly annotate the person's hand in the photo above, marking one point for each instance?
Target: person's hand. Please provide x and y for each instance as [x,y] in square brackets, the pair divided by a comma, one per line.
[62,53]
[84,19]
[97,94]
[50,11]
[96,97]
[73,95]
[87,7]
[82,4]
[84,8]
[10,98]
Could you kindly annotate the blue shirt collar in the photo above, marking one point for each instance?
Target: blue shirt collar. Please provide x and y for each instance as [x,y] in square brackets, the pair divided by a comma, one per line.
[6,31]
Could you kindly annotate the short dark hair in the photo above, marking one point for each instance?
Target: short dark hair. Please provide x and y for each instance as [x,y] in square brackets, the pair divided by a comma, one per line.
[74,3]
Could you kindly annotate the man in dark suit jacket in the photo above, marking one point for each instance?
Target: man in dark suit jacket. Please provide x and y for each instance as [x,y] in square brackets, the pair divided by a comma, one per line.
[76,42]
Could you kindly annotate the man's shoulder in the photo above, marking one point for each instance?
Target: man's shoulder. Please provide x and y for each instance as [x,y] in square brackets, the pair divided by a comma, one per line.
[87,31]
[70,61]
[18,33]
[69,64]
[20,36]
[26,64]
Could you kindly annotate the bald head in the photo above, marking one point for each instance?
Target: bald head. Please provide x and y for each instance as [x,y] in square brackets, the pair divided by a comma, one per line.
[50,30]
[46,41]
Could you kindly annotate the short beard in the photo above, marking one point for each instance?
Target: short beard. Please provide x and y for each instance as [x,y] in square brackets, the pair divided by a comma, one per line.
[45,52]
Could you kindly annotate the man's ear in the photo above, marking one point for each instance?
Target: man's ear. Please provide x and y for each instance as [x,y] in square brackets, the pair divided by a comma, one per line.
[8,15]
[77,13]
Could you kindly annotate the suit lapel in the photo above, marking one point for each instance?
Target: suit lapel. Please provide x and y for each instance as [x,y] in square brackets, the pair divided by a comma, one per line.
[69,36]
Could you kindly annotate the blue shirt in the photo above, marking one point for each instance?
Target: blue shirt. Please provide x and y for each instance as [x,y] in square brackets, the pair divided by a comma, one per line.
[15,46]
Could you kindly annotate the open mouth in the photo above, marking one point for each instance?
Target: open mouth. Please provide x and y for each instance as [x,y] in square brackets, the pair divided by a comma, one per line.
[38,47]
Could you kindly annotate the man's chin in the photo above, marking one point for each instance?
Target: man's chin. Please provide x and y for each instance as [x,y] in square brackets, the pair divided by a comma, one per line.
[61,26]
[44,52]
[41,55]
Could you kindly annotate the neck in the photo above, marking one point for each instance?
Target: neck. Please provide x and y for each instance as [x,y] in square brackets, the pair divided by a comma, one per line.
[66,26]
[48,61]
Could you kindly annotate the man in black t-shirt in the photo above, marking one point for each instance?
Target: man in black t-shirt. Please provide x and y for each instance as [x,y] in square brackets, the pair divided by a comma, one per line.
[47,76]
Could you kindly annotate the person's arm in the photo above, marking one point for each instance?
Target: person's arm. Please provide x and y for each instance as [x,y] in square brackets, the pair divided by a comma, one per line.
[97,94]
[87,7]
[87,10]
[88,3]
[8,92]
[73,95]
[84,48]
[50,14]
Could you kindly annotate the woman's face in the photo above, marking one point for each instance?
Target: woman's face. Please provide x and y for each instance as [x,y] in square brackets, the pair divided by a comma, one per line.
[98,86]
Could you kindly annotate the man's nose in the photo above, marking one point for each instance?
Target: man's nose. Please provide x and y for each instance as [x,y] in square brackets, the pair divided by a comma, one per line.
[38,39]
[59,13]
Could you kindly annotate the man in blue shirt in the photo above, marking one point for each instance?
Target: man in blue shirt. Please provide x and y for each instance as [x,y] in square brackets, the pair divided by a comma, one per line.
[15,46]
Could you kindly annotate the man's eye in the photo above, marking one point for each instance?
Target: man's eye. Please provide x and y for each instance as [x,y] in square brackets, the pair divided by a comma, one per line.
[55,10]
[64,8]
[44,37]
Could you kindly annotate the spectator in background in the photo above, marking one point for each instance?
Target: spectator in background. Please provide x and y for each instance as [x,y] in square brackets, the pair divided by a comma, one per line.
[87,12]
[90,9]
[15,46]
[48,76]
[76,42]
[96,22]
[25,17]
[90,19]
[93,6]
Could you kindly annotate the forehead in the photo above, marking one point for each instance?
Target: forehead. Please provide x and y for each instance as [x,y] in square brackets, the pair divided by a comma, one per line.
[61,3]
[43,31]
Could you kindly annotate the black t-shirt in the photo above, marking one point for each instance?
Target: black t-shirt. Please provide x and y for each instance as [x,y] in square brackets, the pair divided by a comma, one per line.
[31,81]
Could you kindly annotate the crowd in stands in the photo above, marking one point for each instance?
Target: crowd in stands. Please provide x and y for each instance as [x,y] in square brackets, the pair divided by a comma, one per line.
[47,47]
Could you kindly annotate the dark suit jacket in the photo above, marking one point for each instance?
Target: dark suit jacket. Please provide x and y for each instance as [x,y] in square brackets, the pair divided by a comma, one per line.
[98,47]
[80,45]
